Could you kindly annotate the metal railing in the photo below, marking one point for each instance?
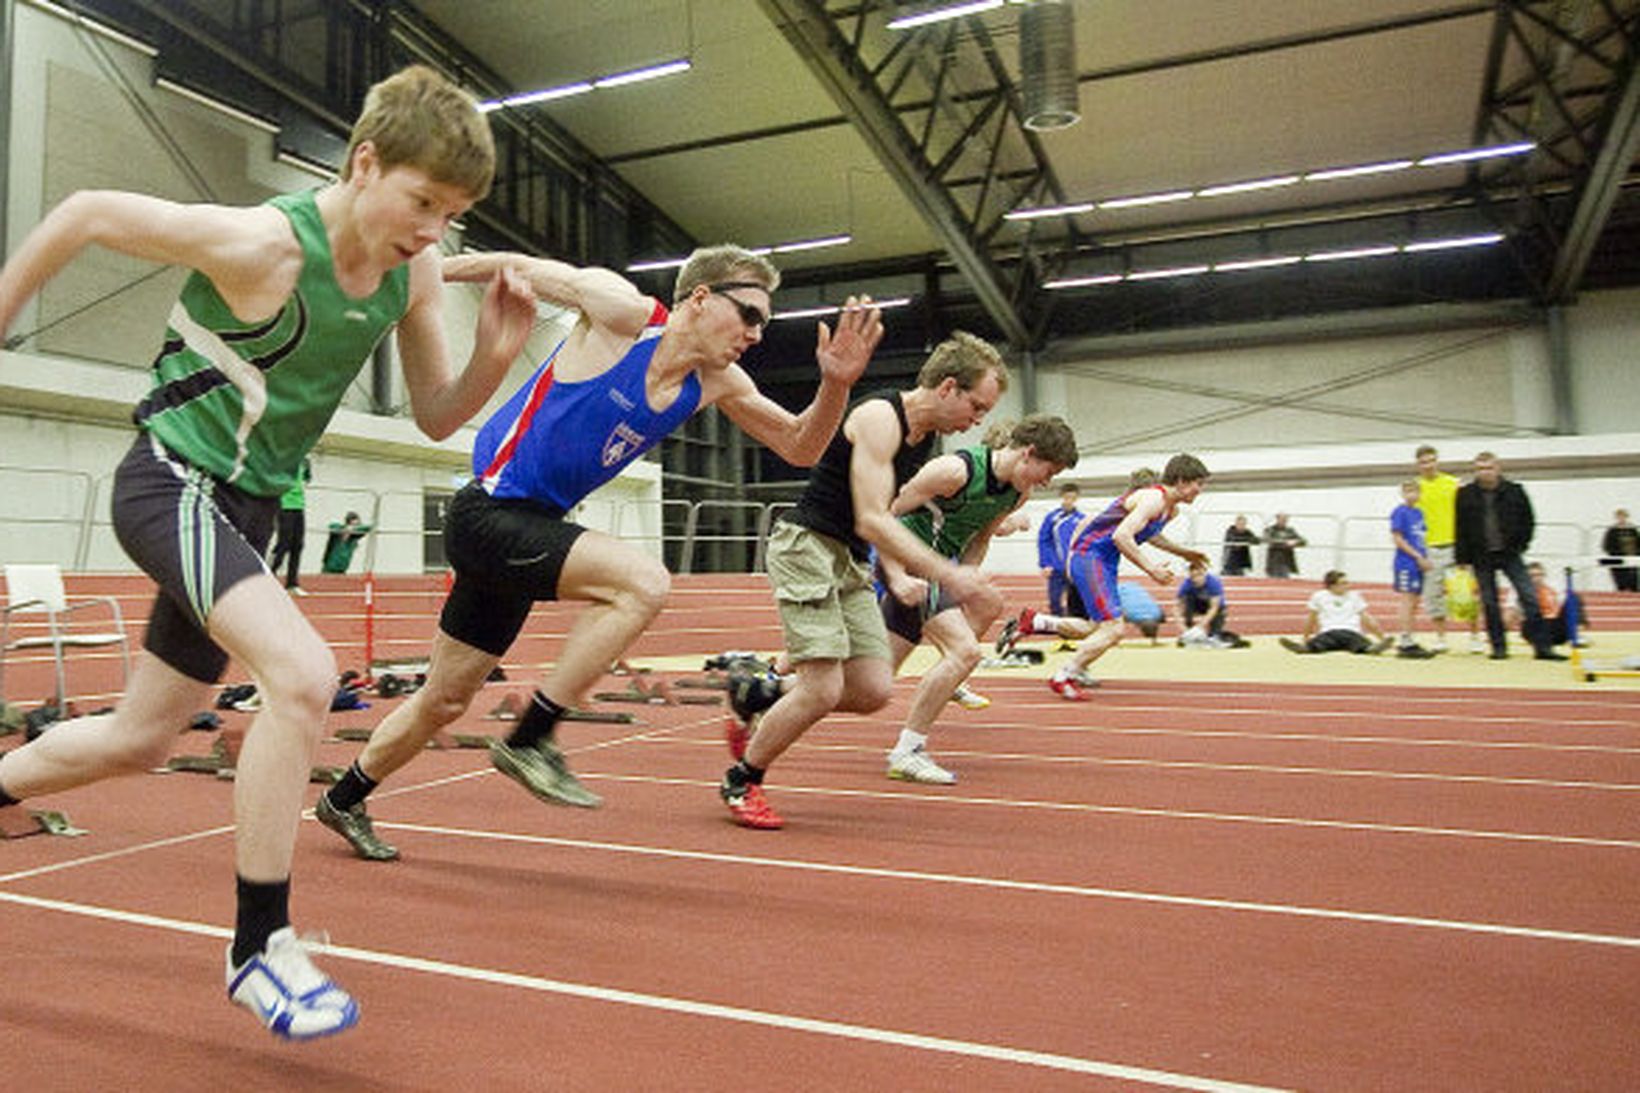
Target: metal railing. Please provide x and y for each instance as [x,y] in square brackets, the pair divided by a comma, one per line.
[65,522]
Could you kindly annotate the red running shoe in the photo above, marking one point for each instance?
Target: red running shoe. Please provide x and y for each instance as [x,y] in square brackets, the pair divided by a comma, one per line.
[1027,621]
[1069,690]
[750,808]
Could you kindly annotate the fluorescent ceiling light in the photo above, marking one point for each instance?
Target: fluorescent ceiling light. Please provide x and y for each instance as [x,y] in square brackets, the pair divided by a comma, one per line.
[1158,274]
[832,309]
[656,263]
[1488,152]
[1041,211]
[777,248]
[94,27]
[215,104]
[1257,263]
[1248,187]
[813,244]
[1355,172]
[1147,199]
[1485,240]
[1355,252]
[939,15]
[530,97]
[581,87]
[1079,282]
[638,75]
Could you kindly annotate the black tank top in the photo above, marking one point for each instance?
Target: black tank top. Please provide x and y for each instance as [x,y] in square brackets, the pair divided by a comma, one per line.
[827,504]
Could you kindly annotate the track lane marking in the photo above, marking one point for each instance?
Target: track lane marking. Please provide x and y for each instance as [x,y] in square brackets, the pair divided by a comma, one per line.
[689,1007]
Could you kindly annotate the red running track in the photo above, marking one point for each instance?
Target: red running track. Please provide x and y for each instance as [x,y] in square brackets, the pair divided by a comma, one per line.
[1174,886]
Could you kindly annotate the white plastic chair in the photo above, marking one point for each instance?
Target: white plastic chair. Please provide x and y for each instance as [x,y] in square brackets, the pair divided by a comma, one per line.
[38,589]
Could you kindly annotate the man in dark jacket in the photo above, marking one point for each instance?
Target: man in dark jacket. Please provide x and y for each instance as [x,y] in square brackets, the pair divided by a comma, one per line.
[1494,528]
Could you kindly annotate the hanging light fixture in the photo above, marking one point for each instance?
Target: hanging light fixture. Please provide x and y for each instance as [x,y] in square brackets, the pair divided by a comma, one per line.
[1047,65]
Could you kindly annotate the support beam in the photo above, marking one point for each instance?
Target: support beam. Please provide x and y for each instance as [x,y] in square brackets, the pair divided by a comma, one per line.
[831,58]
[1594,205]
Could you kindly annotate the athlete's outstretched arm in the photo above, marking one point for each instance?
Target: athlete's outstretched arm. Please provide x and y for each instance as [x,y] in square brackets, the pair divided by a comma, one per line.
[441,399]
[604,298]
[800,439]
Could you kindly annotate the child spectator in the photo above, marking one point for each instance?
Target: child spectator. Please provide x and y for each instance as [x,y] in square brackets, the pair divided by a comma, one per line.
[1338,615]
[1406,528]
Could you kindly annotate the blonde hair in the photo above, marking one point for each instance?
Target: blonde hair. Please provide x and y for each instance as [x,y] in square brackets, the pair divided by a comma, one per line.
[725,264]
[417,118]
[966,359]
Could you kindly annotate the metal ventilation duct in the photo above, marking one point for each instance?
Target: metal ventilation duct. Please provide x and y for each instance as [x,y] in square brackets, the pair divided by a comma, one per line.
[1047,64]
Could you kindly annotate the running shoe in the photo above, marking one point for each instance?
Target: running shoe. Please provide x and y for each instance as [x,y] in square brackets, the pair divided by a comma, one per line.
[1293,645]
[292,998]
[1413,651]
[1006,639]
[738,734]
[917,765]
[749,807]
[1083,680]
[541,770]
[1380,646]
[1069,690]
[354,825]
[966,698]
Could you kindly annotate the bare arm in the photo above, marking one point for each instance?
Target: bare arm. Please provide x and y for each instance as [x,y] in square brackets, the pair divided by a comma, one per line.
[941,476]
[1192,556]
[1312,624]
[249,254]
[441,399]
[604,298]
[875,432]
[1147,505]
[800,439]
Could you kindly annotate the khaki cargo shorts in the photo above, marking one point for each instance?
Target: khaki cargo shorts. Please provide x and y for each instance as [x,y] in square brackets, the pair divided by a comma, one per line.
[828,608]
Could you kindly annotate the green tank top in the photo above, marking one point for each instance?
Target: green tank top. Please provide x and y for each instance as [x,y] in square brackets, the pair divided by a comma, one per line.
[949,524]
[247,401]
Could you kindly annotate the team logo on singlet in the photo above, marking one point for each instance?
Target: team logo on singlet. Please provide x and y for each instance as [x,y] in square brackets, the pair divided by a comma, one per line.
[622,440]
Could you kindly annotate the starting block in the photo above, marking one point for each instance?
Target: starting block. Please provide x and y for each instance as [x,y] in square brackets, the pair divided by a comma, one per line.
[225,753]
[16,823]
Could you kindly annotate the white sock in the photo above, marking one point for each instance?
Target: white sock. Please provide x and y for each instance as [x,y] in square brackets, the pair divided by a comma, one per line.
[910,742]
[1043,623]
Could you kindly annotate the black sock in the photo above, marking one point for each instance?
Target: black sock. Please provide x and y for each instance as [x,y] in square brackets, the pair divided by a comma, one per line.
[744,774]
[538,723]
[351,788]
[263,908]
[7,799]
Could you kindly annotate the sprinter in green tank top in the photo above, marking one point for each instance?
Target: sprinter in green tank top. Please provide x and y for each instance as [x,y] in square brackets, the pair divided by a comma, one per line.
[956,504]
[284,305]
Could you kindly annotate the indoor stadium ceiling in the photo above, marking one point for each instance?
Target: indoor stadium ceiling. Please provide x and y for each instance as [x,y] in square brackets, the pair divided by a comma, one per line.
[1212,176]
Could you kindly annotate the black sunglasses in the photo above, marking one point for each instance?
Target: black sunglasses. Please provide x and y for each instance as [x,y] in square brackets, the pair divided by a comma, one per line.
[753,317]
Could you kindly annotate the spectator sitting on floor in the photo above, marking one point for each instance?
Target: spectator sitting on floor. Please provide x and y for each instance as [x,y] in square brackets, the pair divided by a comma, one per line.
[1202,611]
[1557,614]
[1338,616]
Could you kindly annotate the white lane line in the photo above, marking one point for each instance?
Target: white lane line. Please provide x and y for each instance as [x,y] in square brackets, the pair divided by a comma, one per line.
[110,855]
[1304,737]
[939,796]
[689,1007]
[1128,895]
[1287,714]
[1254,768]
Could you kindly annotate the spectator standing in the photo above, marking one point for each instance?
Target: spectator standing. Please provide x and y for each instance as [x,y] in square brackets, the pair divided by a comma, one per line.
[287,544]
[1239,541]
[1280,542]
[1050,551]
[1437,496]
[1494,524]
[1622,541]
[1406,529]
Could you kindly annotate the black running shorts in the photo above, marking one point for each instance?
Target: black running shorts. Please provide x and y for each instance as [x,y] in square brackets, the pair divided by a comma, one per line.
[507,554]
[197,537]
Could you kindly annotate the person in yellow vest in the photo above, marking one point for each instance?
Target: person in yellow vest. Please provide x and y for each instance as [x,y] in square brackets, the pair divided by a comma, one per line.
[1437,500]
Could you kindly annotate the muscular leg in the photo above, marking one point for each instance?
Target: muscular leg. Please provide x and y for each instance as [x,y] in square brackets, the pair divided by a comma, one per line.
[625,589]
[953,634]
[137,736]
[295,674]
[1106,637]
[454,676]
